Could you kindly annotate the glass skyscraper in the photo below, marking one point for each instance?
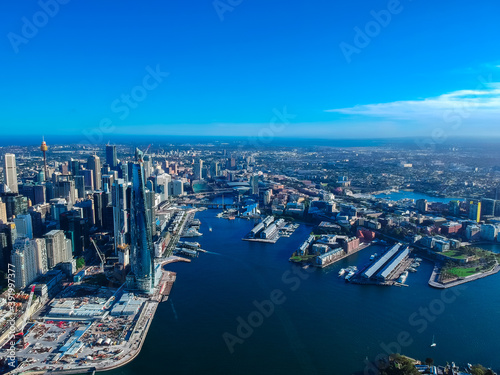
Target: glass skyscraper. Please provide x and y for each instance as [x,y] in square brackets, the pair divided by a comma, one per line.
[141,234]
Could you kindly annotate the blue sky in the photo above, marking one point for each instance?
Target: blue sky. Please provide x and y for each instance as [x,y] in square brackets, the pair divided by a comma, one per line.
[233,69]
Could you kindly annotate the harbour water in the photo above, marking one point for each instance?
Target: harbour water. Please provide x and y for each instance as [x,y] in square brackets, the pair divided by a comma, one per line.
[322,325]
[395,196]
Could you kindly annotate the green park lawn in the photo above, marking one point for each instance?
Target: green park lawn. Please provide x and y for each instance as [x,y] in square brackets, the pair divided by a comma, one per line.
[463,272]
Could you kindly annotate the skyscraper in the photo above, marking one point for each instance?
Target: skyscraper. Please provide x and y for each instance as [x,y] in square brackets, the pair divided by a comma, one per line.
[24,260]
[475,211]
[94,164]
[120,213]
[3,212]
[24,226]
[198,169]
[10,172]
[254,183]
[57,249]
[111,158]
[141,247]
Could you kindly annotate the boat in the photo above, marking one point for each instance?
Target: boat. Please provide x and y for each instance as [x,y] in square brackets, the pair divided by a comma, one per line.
[341,272]
[433,342]
[373,256]
[349,275]
[403,277]
[191,232]
[306,266]
[210,229]
[418,259]
[411,269]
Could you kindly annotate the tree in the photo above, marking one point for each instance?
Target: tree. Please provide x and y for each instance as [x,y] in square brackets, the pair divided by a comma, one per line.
[429,361]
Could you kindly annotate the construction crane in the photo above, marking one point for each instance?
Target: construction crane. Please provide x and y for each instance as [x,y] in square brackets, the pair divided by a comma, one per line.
[20,334]
[100,254]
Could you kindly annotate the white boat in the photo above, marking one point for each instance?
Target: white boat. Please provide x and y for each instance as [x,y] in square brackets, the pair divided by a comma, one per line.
[418,259]
[341,272]
[349,275]
[403,277]
[373,256]
[433,342]
[210,229]
[411,269]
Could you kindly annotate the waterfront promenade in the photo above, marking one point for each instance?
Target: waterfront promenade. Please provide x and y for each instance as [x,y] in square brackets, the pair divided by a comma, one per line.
[437,271]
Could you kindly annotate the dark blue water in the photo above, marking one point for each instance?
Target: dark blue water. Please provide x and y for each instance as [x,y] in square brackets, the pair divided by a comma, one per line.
[324,326]
[413,195]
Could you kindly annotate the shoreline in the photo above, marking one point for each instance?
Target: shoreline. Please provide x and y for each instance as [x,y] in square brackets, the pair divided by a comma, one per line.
[438,285]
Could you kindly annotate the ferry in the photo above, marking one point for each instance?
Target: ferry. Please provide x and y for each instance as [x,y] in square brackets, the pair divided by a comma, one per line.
[341,272]
[191,232]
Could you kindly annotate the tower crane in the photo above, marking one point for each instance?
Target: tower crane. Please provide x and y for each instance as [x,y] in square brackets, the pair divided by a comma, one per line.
[101,255]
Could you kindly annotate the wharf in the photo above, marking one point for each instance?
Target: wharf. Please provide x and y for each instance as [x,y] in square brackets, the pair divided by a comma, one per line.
[360,247]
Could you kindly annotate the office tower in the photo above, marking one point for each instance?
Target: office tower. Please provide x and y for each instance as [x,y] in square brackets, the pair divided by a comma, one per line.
[76,228]
[24,226]
[3,212]
[39,193]
[178,188]
[198,169]
[57,249]
[80,186]
[422,205]
[475,211]
[40,249]
[163,182]
[268,195]
[15,204]
[120,213]
[88,211]
[214,169]
[64,168]
[147,165]
[10,172]
[487,207]
[44,149]
[123,171]
[94,164]
[107,182]
[141,231]
[111,158]
[232,162]
[88,178]
[254,184]
[98,208]
[66,190]
[75,167]
[24,261]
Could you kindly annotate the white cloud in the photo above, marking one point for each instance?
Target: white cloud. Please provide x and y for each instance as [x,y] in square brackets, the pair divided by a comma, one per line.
[480,105]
